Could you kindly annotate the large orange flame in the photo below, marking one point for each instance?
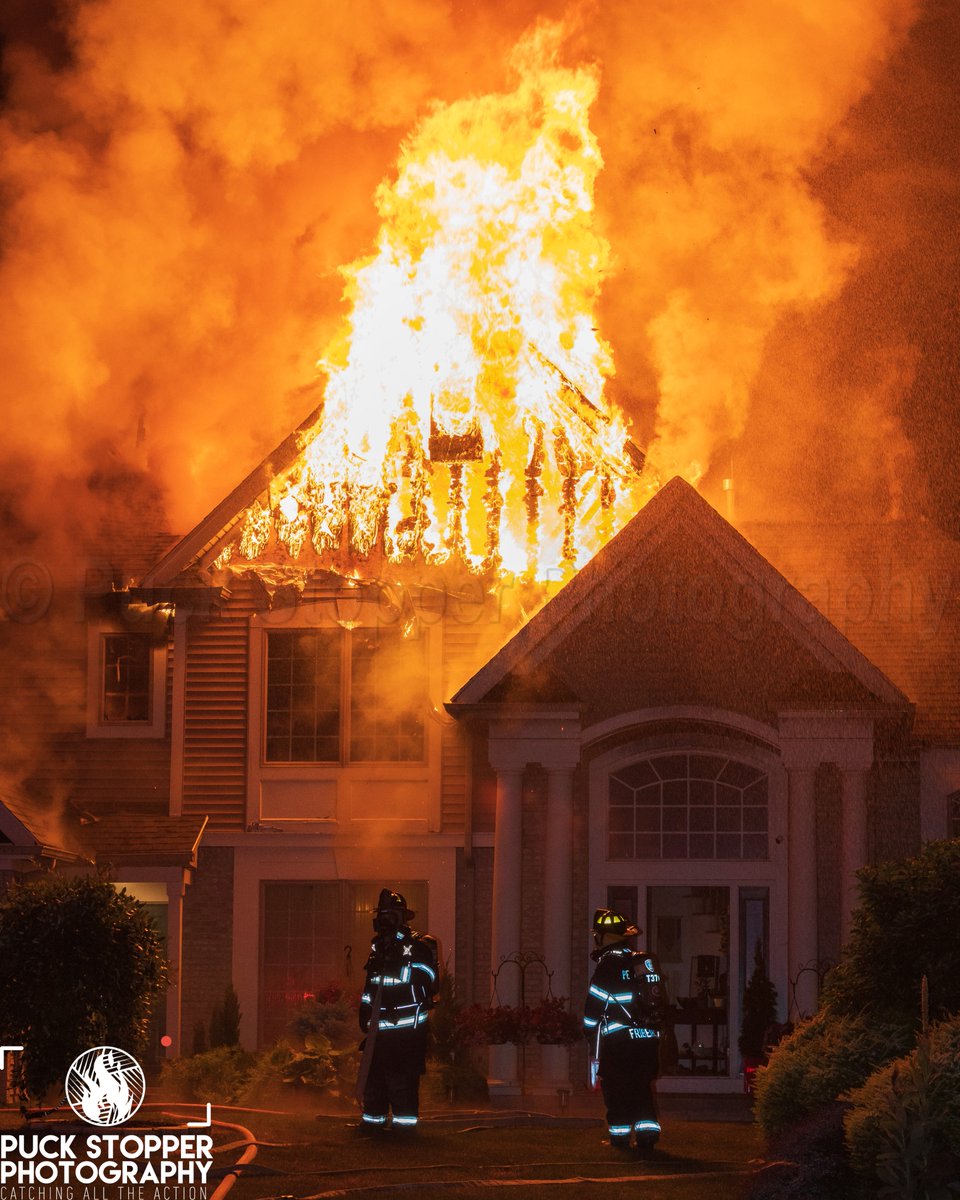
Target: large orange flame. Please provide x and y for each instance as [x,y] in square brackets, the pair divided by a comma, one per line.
[464,414]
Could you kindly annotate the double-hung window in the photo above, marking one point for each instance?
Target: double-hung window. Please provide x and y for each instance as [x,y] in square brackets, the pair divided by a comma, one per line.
[126,684]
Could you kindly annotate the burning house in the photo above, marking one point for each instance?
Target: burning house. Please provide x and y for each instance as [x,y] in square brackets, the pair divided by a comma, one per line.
[457,636]
[676,731]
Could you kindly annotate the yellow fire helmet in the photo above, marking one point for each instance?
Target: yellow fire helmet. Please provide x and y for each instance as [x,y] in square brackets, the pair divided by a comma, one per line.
[607,922]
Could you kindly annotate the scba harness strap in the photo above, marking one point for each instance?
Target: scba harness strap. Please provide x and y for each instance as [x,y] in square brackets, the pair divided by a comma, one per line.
[404,969]
[633,1007]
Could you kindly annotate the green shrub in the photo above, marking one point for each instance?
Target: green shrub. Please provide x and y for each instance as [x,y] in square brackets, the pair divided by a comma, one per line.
[452,1075]
[220,1076]
[903,1127]
[808,1161]
[321,1055]
[318,1067]
[332,1013]
[82,966]
[459,1081]
[905,928]
[820,1060]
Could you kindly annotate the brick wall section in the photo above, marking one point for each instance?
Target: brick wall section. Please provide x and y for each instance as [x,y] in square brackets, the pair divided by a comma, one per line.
[583,906]
[893,832]
[893,822]
[463,945]
[533,917]
[482,911]
[828,803]
[207,938]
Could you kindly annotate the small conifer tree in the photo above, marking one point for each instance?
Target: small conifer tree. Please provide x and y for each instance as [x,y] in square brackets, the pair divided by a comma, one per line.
[225,1021]
[199,1038]
[759,1008]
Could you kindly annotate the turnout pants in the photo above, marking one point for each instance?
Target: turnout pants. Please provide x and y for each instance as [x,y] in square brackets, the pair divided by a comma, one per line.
[628,1068]
[393,1084]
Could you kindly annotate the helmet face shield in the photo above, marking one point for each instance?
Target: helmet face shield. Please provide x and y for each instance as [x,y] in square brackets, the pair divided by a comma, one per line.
[387,920]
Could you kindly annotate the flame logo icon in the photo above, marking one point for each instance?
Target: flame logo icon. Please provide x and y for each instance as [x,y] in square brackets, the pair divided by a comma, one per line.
[105,1086]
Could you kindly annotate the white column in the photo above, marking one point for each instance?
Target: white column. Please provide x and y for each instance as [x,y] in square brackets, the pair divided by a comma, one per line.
[557,903]
[802,948]
[505,939]
[175,958]
[853,842]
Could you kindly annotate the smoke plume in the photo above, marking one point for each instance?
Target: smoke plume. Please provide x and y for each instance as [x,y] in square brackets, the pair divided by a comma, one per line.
[181,184]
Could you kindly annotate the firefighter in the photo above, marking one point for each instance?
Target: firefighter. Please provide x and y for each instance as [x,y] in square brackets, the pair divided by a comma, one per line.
[621,1020]
[401,983]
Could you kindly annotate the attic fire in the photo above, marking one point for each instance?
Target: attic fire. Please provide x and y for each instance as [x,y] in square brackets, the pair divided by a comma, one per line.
[464,417]
[443,498]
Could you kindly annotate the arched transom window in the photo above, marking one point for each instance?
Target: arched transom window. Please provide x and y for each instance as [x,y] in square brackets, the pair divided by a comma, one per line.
[688,806]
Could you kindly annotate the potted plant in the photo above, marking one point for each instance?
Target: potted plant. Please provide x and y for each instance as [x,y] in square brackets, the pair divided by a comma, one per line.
[494,1026]
[549,1022]
[552,1023]
[507,1024]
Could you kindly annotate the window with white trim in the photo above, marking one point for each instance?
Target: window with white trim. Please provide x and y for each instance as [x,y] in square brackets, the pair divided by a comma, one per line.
[126,682]
[337,696]
[700,806]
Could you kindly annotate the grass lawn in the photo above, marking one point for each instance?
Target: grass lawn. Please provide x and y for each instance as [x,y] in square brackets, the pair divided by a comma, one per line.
[325,1157]
[301,1156]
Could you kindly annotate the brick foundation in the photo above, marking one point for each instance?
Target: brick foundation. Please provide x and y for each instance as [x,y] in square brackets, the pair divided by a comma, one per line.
[207,939]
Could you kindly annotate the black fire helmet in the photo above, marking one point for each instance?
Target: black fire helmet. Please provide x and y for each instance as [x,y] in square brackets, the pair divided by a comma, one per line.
[394,902]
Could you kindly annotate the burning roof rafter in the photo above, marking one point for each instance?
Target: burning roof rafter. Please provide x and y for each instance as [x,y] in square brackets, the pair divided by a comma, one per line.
[429,490]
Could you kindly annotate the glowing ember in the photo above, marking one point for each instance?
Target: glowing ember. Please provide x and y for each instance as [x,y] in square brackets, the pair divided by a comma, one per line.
[463,416]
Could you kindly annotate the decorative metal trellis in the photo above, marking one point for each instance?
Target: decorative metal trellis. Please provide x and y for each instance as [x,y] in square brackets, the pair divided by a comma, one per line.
[522,960]
[819,967]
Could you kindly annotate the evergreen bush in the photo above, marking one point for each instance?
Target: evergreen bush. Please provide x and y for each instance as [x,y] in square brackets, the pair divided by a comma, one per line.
[808,1161]
[903,1126]
[905,928]
[331,1013]
[81,965]
[823,1058]
[225,1020]
[220,1076]
[759,1008]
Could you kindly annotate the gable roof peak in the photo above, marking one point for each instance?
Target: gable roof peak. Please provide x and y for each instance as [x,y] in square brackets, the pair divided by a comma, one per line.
[677,508]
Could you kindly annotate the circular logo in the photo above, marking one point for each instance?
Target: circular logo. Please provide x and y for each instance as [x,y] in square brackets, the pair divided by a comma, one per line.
[105,1086]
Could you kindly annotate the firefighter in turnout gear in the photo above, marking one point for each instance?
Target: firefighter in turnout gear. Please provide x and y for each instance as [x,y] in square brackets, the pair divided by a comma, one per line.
[401,983]
[622,1019]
